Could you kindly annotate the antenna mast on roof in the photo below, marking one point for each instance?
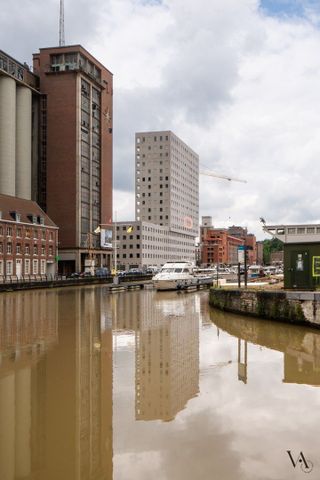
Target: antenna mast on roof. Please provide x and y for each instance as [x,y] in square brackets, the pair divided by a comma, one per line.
[61,24]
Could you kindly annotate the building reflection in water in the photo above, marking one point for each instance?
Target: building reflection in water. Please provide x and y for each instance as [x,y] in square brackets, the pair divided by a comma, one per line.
[300,345]
[55,386]
[166,329]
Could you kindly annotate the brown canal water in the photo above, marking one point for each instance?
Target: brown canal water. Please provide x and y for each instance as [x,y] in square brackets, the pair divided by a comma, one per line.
[145,385]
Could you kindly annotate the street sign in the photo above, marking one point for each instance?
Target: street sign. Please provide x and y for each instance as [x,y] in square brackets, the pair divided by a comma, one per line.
[241,253]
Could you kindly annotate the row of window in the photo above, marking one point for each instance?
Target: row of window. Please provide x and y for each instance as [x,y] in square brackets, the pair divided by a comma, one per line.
[26,249]
[6,268]
[154,255]
[27,232]
[143,139]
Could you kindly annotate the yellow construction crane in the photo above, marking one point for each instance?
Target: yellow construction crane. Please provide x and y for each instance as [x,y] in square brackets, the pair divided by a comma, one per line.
[224,177]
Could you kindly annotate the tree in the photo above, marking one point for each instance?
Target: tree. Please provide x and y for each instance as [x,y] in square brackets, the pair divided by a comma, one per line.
[269,246]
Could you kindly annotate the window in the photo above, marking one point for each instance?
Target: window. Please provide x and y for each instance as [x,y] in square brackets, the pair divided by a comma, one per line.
[27,249]
[9,247]
[50,251]
[43,250]
[35,250]
[18,248]
[43,267]
[1,267]
[19,231]
[9,231]
[9,267]
[27,267]
[35,267]
[1,247]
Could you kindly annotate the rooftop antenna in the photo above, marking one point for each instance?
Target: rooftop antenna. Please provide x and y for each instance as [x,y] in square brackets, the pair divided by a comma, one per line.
[61,25]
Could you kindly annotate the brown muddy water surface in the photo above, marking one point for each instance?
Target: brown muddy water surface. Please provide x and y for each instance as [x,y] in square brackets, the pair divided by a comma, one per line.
[145,385]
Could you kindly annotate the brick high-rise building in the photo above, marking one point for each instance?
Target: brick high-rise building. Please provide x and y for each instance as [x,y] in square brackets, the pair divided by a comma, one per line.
[75,161]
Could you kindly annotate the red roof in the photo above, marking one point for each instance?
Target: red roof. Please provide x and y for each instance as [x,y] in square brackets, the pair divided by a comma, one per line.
[28,209]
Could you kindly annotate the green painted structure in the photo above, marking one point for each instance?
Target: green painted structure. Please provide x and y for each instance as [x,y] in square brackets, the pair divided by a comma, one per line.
[302,266]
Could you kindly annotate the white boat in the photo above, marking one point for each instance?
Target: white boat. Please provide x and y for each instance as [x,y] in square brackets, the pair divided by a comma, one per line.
[178,276]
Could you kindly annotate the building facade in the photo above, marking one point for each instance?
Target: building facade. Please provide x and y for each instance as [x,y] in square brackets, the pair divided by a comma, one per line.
[301,254]
[167,182]
[144,244]
[75,160]
[249,240]
[28,240]
[167,185]
[218,247]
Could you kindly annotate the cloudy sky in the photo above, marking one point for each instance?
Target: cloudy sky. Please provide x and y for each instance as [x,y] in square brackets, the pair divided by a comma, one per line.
[237,80]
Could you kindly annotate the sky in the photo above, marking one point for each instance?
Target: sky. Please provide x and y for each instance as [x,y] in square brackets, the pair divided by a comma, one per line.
[237,80]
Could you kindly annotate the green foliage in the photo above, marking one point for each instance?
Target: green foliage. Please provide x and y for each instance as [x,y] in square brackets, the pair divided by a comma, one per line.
[269,246]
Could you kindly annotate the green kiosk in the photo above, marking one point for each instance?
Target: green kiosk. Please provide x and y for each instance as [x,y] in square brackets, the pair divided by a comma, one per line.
[301,249]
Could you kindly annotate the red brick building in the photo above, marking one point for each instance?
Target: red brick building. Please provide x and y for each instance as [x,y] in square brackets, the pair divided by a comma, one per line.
[249,240]
[28,240]
[217,246]
[75,164]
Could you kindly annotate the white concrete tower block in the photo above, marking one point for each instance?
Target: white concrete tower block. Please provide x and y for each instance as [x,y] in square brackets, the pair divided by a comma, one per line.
[7,135]
[23,142]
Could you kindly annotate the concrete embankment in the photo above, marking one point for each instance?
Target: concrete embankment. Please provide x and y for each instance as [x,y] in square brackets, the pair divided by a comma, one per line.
[284,306]
[124,284]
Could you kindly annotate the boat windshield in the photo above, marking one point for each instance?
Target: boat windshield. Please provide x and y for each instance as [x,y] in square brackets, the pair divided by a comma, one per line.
[167,270]
[178,270]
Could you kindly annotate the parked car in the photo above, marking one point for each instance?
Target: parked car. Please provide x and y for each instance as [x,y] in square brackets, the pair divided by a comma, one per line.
[86,274]
[135,271]
[102,272]
[73,275]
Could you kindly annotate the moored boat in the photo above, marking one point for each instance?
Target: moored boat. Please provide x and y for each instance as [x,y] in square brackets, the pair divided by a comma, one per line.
[178,276]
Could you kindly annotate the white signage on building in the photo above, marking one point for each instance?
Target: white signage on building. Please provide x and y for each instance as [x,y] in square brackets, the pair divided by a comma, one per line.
[106,238]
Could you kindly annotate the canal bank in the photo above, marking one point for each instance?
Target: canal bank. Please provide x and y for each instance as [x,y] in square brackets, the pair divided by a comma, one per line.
[302,308]
[121,283]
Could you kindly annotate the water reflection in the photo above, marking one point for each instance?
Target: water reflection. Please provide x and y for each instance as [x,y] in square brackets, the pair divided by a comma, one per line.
[95,386]
[166,343]
[300,346]
[55,386]
[167,357]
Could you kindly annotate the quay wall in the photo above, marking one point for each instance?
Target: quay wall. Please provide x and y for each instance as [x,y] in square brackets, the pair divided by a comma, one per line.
[283,306]
[71,282]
